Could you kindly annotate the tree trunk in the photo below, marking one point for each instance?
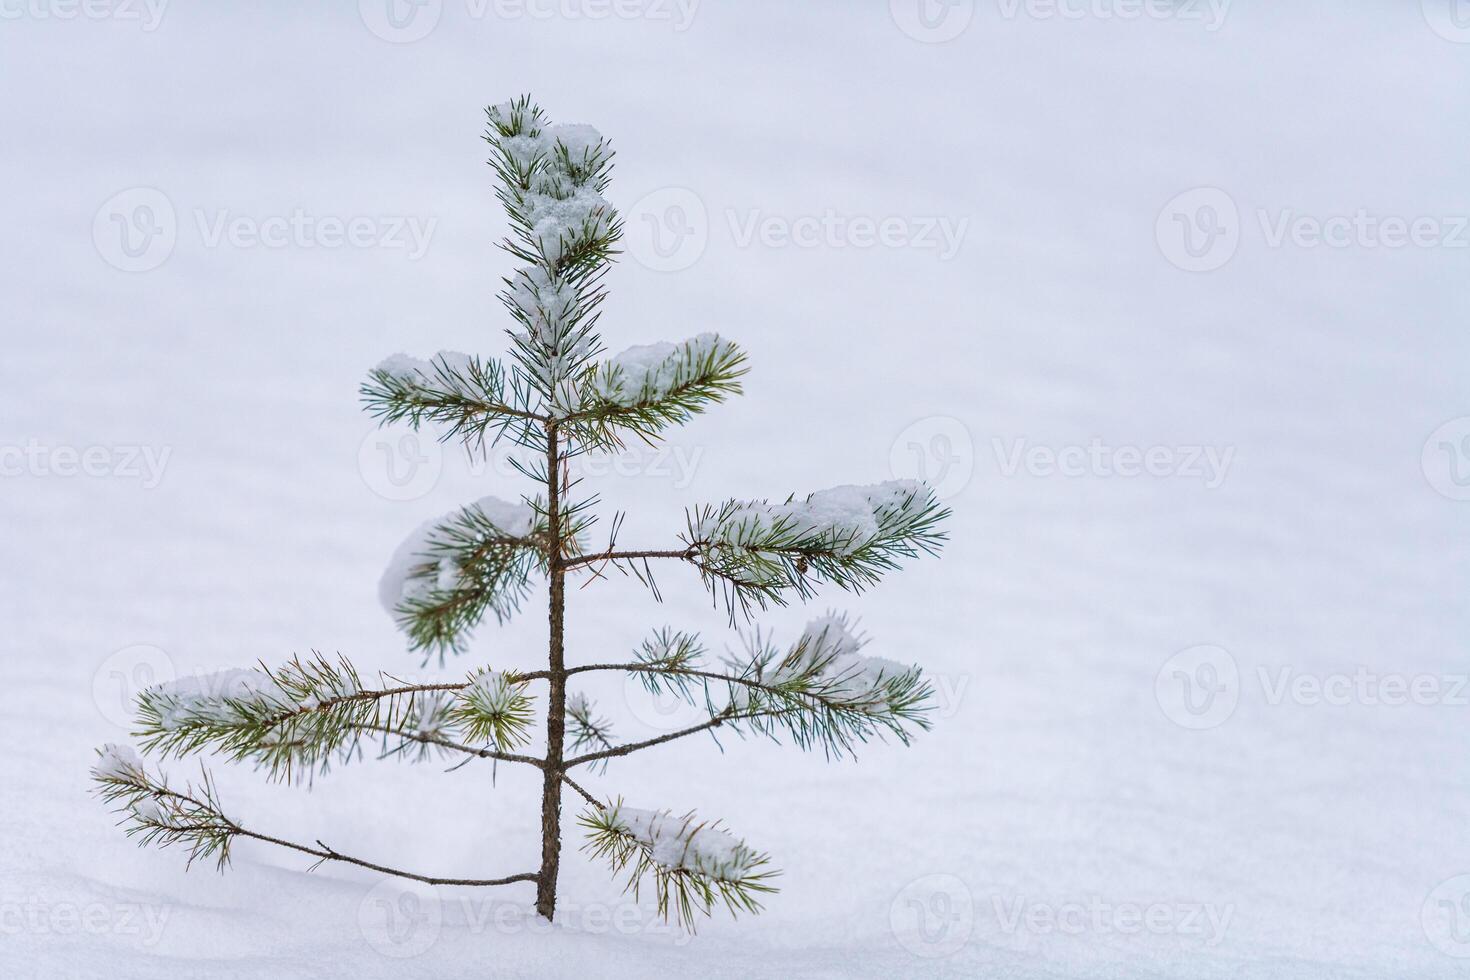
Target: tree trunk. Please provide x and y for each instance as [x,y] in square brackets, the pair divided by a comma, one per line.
[557,694]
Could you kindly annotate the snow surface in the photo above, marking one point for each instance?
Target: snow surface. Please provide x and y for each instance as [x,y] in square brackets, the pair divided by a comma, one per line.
[1301,840]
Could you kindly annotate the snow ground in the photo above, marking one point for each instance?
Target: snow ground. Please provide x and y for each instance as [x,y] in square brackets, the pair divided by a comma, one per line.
[1059,821]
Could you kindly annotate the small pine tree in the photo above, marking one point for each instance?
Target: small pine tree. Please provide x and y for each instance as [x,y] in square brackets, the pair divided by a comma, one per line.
[555,398]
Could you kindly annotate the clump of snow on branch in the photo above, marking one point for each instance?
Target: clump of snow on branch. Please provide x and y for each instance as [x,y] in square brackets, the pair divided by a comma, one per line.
[412,370]
[649,372]
[825,661]
[118,762]
[683,844]
[221,698]
[421,564]
[845,518]
[555,177]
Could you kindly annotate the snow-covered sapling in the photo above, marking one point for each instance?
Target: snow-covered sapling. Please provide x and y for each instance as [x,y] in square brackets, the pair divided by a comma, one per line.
[556,396]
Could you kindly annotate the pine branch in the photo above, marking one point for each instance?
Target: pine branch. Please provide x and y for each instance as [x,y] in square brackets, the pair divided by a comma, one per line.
[494,708]
[820,692]
[467,396]
[295,720]
[449,573]
[693,865]
[754,553]
[647,389]
[584,726]
[193,817]
[564,234]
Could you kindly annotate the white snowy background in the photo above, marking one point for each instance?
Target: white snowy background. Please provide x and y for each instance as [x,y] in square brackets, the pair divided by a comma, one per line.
[1117,783]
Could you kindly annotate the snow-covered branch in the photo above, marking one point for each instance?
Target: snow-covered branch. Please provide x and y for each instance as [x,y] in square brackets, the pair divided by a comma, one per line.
[755,553]
[451,570]
[466,395]
[648,388]
[693,865]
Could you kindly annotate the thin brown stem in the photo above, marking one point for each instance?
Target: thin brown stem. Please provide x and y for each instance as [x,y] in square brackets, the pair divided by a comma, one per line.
[618,750]
[585,795]
[455,746]
[556,699]
[687,554]
[325,853]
